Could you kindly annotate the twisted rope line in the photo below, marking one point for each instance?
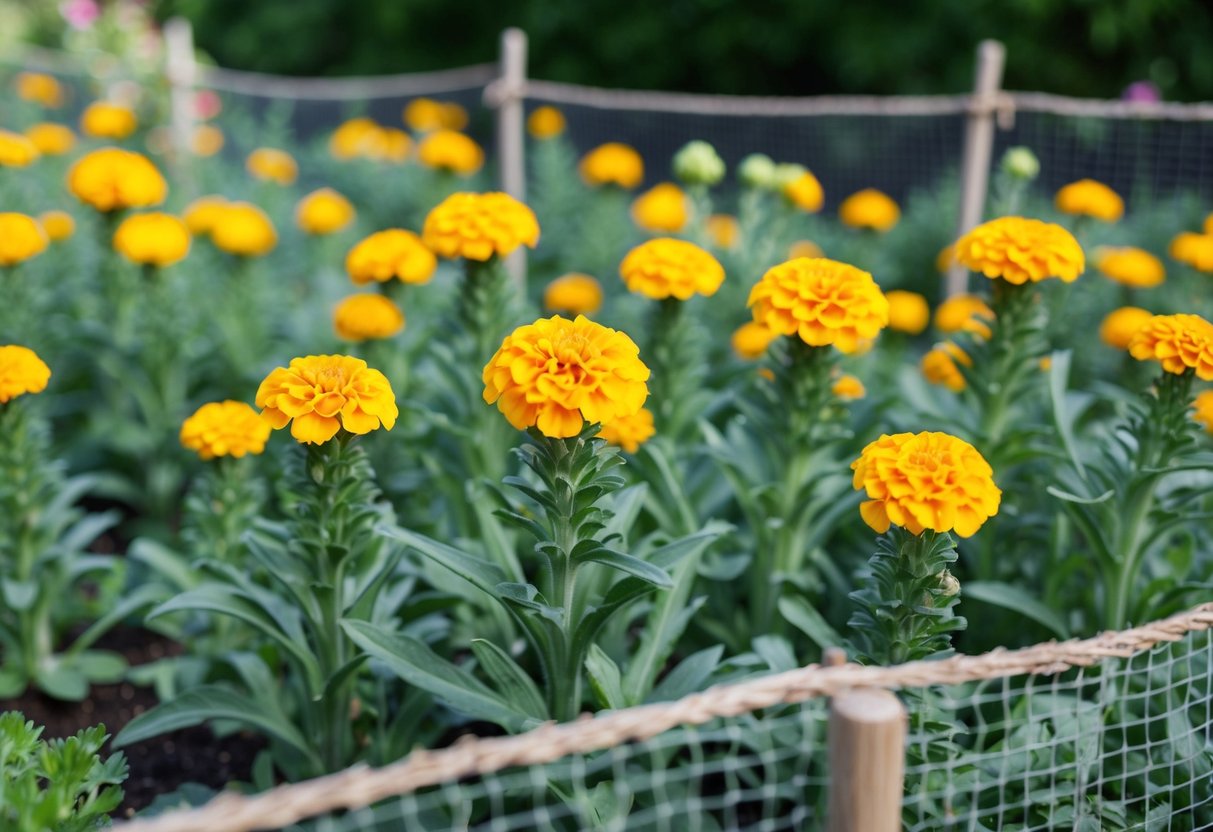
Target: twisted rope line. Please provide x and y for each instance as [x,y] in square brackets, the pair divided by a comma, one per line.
[323,89]
[361,786]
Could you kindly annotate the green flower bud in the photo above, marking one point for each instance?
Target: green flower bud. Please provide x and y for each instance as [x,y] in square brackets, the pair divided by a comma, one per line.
[948,585]
[698,163]
[757,171]
[1021,163]
[785,173]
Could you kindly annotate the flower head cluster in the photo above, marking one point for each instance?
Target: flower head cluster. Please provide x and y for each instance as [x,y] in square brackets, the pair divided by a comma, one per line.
[939,366]
[201,215]
[1120,325]
[557,374]
[272,165]
[1089,198]
[630,432]
[21,237]
[324,211]
[450,151]
[1019,250]
[698,163]
[16,150]
[724,231]
[663,209]
[21,372]
[925,481]
[425,115]
[243,229]
[545,123]
[612,163]
[367,317]
[39,88]
[51,139]
[1178,342]
[666,267]
[908,311]
[105,120]
[153,239]
[111,179]
[751,339]
[363,138]
[1203,405]
[1192,249]
[226,428]
[822,301]
[322,394]
[848,388]
[804,248]
[804,192]
[391,254]
[58,225]
[573,294]
[1130,266]
[477,226]
[964,313]
[206,140]
[869,208]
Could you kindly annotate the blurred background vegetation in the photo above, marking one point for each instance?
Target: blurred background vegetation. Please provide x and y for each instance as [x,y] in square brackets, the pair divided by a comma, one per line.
[1074,47]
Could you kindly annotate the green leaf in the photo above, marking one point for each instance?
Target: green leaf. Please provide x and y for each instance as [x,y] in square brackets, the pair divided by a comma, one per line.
[62,681]
[480,573]
[509,679]
[101,665]
[1009,597]
[1059,374]
[804,617]
[605,678]
[689,676]
[1082,501]
[776,651]
[629,565]
[130,604]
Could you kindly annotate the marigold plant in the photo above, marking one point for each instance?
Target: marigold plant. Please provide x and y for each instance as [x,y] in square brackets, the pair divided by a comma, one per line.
[320,395]
[58,225]
[573,294]
[387,144]
[450,151]
[51,139]
[629,432]
[1129,266]
[367,317]
[1178,342]
[39,88]
[324,211]
[154,239]
[1019,250]
[16,150]
[821,301]
[545,123]
[751,339]
[612,163]
[106,120]
[425,115]
[1203,407]
[666,267]
[848,387]
[869,208]
[1195,250]
[272,165]
[804,192]
[243,229]
[350,138]
[227,428]
[664,208]
[478,226]
[939,366]
[21,237]
[1120,325]
[908,311]
[1089,198]
[111,179]
[391,254]
[723,230]
[21,372]
[964,313]
[201,215]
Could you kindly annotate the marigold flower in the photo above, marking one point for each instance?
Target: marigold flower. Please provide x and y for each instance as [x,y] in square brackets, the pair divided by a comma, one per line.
[106,120]
[425,115]
[848,387]
[153,239]
[111,179]
[1195,250]
[939,366]
[1203,405]
[323,394]
[804,248]
[964,313]
[201,215]
[207,140]
[666,267]
[1130,266]
[16,150]
[723,230]
[21,372]
[394,253]
[612,163]
[450,151]
[243,229]
[823,301]
[20,238]
[51,139]
[545,123]
[557,374]
[573,294]
[58,225]
[39,88]
[1209,225]
[1019,250]
[348,139]
[925,481]
[629,432]
[908,311]
[387,144]
[1089,198]
[805,193]
[664,209]
[1120,325]
[367,317]
[945,259]
[751,339]
[869,208]
[227,428]
[477,226]
[272,165]
[1178,342]
[324,211]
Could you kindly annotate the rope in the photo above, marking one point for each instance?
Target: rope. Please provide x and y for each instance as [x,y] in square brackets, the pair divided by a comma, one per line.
[1041,102]
[319,89]
[361,786]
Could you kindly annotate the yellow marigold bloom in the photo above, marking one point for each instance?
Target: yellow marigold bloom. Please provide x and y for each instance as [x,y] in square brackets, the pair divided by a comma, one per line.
[939,366]
[51,139]
[1209,225]
[1195,250]
[545,123]
[573,294]
[1178,342]
[394,253]
[450,151]
[201,215]
[39,88]
[349,139]
[324,211]
[16,150]
[1203,405]
[367,318]
[21,372]
[945,258]
[477,226]
[1019,250]
[58,225]
[20,238]
[227,428]
[751,339]
[869,208]
[964,313]
[1089,198]
[207,140]
[243,229]
[612,163]
[908,311]
[323,394]
[153,239]
[666,267]
[272,165]
[1131,267]
[111,179]
[664,208]
[425,115]
[804,248]
[630,432]
[1120,325]
[925,481]
[805,193]
[557,374]
[823,301]
[723,230]
[106,120]
[387,144]
[848,387]
[1046,363]
[454,116]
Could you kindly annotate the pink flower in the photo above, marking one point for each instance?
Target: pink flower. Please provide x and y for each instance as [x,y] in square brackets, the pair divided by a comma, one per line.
[1142,92]
[80,14]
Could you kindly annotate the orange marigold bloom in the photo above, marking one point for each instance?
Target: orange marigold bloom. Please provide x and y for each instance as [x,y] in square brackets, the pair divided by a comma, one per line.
[573,294]
[207,140]
[324,211]
[666,267]
[945,258]
[106,120]
[1019,250]
[367,318]
[724,230]
[111,179]
[349,138]
[823,301]
[426,114]
[804,248]
[869,208]
[39,88]
[272,165]
[450,151]
[751,339]
[925,481]
[51,139]
[939,366]
[21,237]
[323,394]
[477,226]
[908,311]
[664,208]
[805,193]
[153,239]
[612,163]
[1120,325]
[1195,250]
[848,387]
[545,123]
[964,313]
[58,225]
[21,372]
[1130,266]
[394,253]
[1089,198]
[243,229]
[387,144]
[201,215]
[1178,342]
[227,428]
[1203,405]
[16,150]
[630,432]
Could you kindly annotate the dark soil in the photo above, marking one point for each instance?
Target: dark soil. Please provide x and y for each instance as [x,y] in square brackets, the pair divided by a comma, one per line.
[157,766]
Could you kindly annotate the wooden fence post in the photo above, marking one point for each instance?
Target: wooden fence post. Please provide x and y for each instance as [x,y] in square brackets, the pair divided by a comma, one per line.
[182,72]
[510,132]
[978,148]
[867,738]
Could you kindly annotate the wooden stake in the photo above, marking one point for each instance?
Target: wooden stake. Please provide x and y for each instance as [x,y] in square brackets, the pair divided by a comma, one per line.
[867,737]
[510,136]
[181,71]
